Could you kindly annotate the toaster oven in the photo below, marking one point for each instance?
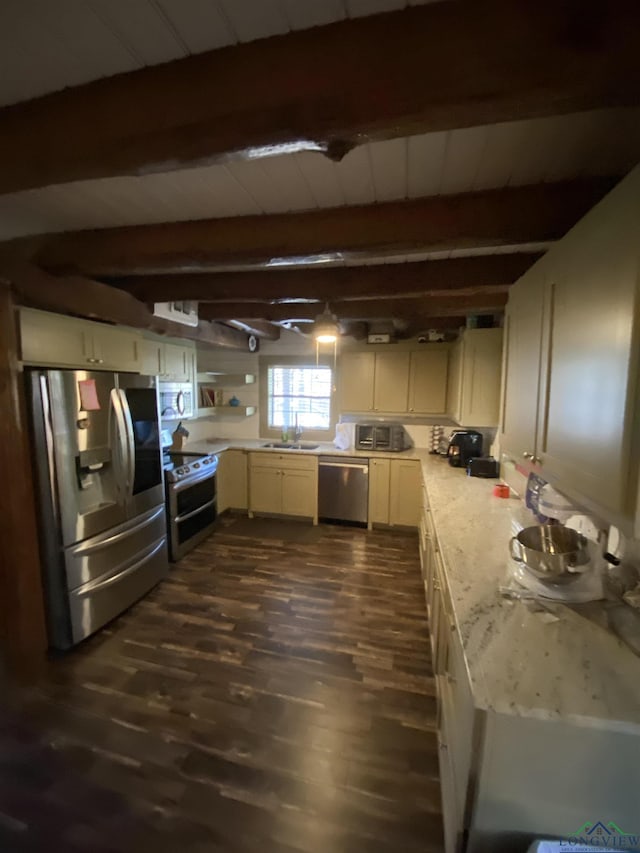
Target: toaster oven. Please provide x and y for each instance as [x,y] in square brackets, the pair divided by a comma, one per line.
[389,437]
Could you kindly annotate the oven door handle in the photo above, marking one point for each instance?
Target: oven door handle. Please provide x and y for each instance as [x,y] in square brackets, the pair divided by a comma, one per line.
[207,474]
[193,512]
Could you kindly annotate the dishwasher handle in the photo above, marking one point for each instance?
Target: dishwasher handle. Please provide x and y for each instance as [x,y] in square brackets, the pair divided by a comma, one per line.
[363,468]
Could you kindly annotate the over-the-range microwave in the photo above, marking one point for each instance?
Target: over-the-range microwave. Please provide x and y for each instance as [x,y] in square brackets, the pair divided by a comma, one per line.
[175,400]
[389,437]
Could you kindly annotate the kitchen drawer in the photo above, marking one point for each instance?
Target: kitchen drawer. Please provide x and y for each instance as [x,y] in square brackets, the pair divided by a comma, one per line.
[292,460]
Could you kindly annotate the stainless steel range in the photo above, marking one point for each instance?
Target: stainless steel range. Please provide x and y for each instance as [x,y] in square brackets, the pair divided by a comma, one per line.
[190,480]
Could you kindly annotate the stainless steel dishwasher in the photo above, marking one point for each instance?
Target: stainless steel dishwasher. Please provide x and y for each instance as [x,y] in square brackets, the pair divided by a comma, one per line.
[343,488]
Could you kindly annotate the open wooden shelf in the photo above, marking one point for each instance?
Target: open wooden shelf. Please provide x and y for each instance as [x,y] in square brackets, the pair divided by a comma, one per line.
[226,411]
[222,380]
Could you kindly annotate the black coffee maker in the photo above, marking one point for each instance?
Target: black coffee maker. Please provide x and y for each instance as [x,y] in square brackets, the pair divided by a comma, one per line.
[464,444]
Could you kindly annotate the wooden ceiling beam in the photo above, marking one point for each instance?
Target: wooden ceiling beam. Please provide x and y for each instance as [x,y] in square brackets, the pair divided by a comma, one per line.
[365,309]
[257,327]
[331,88]
[382,280]
[86,298]
[510,216]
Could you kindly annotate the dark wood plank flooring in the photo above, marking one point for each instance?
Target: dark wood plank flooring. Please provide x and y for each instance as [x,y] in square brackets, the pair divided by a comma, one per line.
[271,696]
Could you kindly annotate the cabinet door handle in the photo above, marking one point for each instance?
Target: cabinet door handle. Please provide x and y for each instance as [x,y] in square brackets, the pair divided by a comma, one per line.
[527,455]
[537,460]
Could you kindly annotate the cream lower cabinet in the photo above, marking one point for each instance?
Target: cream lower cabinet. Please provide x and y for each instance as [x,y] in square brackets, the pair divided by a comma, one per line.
[283,484]
[232,480]
[404,497]
[394,492]
[379,485]
[498,792]
[55,340]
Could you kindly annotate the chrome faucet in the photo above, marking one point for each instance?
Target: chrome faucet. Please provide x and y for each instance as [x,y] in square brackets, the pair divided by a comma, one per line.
[297,431]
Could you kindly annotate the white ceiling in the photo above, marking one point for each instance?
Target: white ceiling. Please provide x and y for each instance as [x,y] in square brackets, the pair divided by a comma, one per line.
[492,156]
[47,45]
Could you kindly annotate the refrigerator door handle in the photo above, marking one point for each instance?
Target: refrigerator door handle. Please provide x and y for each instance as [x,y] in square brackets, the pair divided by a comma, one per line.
[131,446]
[48,432]
[121,435]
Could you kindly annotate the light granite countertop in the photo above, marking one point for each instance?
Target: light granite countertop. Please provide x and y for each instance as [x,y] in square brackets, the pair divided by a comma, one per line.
[519,663]
[217,445]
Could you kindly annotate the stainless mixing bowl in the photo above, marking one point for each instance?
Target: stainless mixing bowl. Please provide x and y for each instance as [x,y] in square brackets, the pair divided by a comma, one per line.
[551,552]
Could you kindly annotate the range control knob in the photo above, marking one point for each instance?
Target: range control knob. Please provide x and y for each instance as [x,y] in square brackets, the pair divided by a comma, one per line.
[196,464]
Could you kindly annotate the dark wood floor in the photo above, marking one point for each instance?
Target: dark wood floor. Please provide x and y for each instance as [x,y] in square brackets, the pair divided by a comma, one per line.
[271,696]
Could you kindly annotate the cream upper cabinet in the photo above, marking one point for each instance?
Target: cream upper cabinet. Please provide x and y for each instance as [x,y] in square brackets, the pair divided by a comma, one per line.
[405,499]
[480,370]
[523,333]
[374,382]
[571,392]
[151,363]
[51,339]
[454,385]
[177,363]
[379,491]
[116,348]
[395,381]
[428,380]
[356,381]
[587,437]
[391,383]
[55,340]
[170,362]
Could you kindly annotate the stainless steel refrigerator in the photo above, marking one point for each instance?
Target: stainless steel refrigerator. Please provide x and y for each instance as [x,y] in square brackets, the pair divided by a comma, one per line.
[98,464]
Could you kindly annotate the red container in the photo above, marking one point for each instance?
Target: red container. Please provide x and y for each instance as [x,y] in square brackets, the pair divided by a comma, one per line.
[501,490]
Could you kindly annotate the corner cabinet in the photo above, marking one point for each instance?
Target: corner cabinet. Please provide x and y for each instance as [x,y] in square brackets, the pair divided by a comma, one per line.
[571,397]
[283,484]
[473,397]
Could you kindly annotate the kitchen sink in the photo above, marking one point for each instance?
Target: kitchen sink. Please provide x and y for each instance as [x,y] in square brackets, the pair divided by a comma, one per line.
[288,445]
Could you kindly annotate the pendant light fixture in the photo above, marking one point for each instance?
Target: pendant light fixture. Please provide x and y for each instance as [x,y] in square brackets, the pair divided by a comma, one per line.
[326,331]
